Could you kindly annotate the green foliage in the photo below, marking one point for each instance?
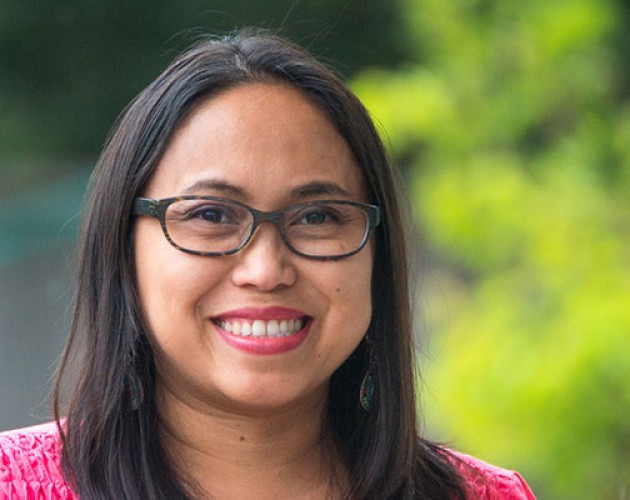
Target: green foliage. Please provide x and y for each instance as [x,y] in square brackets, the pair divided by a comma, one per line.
[516,132]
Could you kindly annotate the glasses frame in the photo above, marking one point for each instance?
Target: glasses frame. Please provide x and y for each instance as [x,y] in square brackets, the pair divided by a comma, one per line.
[157,209]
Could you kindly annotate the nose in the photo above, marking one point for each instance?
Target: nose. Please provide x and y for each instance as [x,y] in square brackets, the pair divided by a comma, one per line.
[265,263]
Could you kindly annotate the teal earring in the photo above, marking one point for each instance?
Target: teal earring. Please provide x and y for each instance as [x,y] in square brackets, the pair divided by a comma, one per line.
[368,386]
[135,392]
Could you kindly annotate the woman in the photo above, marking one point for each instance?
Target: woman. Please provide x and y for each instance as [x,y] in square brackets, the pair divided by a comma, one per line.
[242,326]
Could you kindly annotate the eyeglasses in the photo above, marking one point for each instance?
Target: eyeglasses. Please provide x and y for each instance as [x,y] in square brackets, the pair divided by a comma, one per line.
[207,225]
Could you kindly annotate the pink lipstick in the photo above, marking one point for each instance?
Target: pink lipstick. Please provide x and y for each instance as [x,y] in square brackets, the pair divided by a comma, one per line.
[269,330]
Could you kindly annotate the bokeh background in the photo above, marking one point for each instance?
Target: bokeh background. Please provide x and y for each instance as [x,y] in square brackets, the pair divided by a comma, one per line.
[511,123]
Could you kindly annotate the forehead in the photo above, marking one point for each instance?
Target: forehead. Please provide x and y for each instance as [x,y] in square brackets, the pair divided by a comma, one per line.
[262,138]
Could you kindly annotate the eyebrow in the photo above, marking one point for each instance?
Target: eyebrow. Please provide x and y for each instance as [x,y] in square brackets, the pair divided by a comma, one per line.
[215,185]
[318,188]
[315,188]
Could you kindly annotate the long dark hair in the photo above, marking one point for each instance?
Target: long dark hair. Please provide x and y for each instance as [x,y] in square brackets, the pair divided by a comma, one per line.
[112,451]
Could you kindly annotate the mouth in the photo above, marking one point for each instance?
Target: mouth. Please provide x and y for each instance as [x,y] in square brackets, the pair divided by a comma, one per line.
[268,331]
[262,328]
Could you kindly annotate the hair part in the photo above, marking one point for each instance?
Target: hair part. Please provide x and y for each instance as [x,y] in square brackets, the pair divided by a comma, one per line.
[110,451]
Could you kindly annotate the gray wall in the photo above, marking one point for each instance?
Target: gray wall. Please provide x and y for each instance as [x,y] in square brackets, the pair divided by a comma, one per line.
[34,296]
[37,240]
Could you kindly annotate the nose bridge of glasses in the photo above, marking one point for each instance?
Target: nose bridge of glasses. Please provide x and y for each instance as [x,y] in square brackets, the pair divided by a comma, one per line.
[274,218]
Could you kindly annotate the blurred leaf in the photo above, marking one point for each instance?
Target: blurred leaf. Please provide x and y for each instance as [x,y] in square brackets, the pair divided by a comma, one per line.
[513,129]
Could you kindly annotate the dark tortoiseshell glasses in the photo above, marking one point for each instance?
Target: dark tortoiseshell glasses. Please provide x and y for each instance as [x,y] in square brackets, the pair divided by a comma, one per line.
[208,225]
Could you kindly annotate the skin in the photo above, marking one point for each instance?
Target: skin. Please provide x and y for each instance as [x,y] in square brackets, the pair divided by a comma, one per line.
[245,425]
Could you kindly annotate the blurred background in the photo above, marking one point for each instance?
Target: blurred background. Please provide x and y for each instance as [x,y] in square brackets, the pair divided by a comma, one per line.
[511,123]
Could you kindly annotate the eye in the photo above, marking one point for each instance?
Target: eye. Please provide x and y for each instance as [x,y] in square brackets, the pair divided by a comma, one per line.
[315,218]
[317,215]
[213,213]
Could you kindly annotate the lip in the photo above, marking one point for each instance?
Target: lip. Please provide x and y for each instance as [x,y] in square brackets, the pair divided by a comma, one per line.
[263,345]
[264,313]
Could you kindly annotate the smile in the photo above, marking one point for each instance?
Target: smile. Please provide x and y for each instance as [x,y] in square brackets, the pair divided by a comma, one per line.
[262,328]
[268,330]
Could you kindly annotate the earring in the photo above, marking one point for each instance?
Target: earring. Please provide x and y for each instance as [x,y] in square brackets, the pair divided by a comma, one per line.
[366,393]
[135,392]
[368,386]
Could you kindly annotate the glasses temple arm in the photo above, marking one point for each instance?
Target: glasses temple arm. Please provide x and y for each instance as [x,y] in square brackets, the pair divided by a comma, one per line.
[144,206]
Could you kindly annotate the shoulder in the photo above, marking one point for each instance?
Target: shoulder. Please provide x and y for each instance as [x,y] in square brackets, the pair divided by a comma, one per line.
[488,482]
[30,464]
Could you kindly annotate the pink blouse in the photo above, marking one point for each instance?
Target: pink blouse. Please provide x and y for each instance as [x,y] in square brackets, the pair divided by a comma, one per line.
[30,470]
[29,465]
[487,482]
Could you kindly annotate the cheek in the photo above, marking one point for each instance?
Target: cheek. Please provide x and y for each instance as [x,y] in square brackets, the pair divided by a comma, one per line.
[354,291]
[170,283]
[351,294]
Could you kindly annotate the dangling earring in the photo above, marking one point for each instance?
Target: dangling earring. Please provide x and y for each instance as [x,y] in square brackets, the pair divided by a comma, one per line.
[368,386]
[135,392]
[366,394]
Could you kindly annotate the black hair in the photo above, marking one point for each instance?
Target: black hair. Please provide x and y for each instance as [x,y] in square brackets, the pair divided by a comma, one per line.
[112,452]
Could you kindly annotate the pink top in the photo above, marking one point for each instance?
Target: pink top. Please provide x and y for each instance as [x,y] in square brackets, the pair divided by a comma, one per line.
[29,465]
[30,470]
[485,481]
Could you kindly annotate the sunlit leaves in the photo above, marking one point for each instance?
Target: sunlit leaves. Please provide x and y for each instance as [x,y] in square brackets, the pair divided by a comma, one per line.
[515,132]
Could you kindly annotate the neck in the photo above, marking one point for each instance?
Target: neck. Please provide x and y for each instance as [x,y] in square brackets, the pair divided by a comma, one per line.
[279,453]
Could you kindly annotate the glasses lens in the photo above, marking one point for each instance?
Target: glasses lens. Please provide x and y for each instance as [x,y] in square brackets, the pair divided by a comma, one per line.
[211,226]
[326,229]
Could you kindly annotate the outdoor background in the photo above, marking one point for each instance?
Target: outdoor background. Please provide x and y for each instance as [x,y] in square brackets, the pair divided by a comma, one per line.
[511,123]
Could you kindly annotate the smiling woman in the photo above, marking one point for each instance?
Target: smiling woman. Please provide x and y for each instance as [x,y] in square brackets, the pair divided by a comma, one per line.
[242,326]
[230,141]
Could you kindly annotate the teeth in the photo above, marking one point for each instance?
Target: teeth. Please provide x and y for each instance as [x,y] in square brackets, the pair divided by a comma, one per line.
[273,329]
[260,328]
[247,329]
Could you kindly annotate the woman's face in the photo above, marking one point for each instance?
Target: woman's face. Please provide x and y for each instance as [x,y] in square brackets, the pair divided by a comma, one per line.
[267,146]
